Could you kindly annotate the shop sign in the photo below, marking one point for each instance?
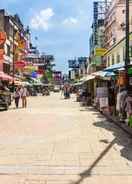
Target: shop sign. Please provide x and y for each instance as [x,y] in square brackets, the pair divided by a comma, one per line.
[130,37]
[100,51]
[20,64]
[30,68]
[22,44]
[2,38]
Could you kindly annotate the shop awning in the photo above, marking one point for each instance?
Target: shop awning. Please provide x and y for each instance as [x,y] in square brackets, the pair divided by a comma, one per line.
[87,78]
[6,77]
[103,74]
[115,67]
[78,84]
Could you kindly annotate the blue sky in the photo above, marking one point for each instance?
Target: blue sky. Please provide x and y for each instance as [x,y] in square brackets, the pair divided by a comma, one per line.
[62,26]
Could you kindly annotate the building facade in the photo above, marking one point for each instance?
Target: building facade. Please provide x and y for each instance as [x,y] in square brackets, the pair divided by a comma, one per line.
[115,22]
[116,54]
[96,41]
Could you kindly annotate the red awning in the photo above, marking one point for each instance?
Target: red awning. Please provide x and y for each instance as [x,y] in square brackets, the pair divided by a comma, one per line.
[6,77]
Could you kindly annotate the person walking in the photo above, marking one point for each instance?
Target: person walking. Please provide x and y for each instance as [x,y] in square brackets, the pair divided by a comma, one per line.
[24,94]
[17,96]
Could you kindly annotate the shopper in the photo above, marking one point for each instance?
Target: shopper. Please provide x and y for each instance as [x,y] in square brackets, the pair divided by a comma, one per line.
[24,94]
[17,96]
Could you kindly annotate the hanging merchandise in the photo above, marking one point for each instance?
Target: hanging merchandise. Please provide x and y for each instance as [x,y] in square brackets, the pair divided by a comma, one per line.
[122,78]
[129,106]
[102,92]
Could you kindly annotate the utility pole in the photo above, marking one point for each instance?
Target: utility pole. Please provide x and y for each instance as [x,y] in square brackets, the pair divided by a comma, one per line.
[127,59]
[127,56]
[14,34]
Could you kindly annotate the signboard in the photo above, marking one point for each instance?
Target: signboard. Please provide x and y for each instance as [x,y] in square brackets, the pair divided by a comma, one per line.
[21,44]
[30,68]
[100,51]
[73,63]
[2,38]
[57,76]
[20,64]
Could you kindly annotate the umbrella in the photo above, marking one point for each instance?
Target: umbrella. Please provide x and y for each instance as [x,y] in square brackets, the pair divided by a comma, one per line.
[6,77]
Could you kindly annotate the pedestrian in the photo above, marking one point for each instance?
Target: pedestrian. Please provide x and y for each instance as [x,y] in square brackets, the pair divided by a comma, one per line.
[24,94]
[17,96]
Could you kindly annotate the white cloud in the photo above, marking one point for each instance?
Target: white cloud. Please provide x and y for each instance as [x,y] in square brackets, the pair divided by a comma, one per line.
[70,21]
[41,20]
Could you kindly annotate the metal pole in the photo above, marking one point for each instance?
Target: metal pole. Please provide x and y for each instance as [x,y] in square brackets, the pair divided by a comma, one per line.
[13,60]
[127,57]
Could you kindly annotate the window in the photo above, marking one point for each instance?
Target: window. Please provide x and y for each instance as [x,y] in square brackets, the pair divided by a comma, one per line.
[11,30]
[118,58]
[124,53]
[8,50]
[108,61]
[113,59]
[130,51]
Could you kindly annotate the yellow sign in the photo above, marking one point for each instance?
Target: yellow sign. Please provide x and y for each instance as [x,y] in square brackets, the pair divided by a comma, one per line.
[130,37]
[100,51]
[30,68]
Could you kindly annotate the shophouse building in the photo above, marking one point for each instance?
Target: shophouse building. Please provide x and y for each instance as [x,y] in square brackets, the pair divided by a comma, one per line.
[16,44]
[115,32]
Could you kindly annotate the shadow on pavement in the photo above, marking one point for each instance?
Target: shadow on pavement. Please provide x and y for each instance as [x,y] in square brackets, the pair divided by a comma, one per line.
[88,172]
[121,138]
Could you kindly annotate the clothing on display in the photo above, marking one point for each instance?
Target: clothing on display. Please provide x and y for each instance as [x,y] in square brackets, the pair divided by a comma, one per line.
[102,92]
[104,102]
[121,99]
[129,106]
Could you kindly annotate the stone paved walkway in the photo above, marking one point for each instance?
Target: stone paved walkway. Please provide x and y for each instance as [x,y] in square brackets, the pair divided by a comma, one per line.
[55,141]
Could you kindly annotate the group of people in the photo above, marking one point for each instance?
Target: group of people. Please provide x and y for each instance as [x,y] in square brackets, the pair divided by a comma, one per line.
[21,92]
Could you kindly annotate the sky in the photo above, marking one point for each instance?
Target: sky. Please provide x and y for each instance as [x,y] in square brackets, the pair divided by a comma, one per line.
[61,26]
